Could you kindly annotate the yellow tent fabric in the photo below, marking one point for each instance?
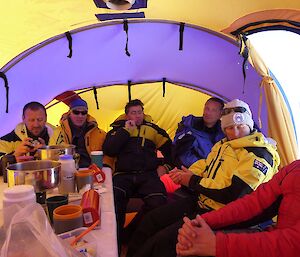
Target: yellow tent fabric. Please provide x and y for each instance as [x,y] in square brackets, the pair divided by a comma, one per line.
[280,123]
[112,101]
[25,23]
[264,19]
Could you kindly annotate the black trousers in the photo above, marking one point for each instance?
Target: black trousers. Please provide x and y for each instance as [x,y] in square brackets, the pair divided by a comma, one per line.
[157,233]
[146,186]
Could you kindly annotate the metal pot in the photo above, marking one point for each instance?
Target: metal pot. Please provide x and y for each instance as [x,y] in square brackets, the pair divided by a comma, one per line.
[52,152]
[42,175]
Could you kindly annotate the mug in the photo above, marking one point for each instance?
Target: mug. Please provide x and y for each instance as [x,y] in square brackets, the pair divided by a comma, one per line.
[83,178]
[54,202]
[66,218]
[97,158]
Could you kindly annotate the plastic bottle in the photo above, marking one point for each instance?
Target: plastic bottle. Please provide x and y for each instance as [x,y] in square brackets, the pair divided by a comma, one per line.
[67,174]
[20,196]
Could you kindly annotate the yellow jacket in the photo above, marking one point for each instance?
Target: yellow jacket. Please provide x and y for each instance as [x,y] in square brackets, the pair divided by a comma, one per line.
[94,137]
[10,141]
[233,169]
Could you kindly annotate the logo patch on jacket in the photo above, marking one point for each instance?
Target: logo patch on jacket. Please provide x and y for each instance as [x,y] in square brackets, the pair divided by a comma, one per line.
[260,166]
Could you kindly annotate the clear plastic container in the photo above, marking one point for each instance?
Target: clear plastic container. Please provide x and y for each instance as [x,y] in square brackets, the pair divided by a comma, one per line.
[67,174]
[21,195]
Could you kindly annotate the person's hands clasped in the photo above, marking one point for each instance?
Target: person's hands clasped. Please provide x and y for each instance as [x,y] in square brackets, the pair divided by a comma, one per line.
[196,238]
[175,175]
[182,176]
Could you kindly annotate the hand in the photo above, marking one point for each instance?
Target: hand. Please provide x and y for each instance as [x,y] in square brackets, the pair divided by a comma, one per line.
[196,238]
[186,176]
[25,147]
[37,144]
[130,124]
[161,170]
[182,176]
[42,142]
[175,175]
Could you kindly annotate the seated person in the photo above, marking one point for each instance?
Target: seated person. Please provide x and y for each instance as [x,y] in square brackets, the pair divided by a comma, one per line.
[134,141]
[236,166]
[195,136]
[280,196]
[77,127]
[28,136]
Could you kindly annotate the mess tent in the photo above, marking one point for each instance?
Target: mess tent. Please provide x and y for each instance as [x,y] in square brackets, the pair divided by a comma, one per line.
[171,54]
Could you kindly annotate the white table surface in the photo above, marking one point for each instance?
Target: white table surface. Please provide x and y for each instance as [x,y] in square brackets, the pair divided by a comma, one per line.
[106,235]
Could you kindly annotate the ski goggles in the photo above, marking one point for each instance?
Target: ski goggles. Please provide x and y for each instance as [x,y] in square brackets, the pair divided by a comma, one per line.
[234,109]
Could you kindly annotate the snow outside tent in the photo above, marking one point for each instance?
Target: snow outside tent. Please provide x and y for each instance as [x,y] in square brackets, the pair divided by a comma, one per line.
[176,57]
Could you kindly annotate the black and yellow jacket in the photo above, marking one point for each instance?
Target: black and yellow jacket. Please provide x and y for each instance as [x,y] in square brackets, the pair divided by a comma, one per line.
[12,140]
[135,150]
[232,169]
[94,137]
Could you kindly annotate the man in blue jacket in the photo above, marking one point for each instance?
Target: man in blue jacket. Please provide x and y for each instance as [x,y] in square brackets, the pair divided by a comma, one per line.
[196,136]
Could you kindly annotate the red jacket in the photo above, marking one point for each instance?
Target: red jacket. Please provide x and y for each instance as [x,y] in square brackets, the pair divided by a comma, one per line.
[283,240]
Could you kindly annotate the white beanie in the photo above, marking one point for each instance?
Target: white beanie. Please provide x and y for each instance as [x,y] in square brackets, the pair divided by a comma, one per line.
[237,118]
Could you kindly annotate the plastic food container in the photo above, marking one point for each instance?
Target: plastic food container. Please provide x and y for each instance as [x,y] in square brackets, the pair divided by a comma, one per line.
[99,175]
[90,207]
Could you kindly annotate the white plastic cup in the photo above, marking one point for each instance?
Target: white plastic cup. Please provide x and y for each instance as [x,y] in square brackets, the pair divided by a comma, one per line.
[97,158]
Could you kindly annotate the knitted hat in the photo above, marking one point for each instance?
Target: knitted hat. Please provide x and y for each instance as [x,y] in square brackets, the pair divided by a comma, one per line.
[78,103]
[236,112]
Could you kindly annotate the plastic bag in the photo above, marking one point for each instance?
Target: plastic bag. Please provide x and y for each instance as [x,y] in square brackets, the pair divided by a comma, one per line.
[29,233]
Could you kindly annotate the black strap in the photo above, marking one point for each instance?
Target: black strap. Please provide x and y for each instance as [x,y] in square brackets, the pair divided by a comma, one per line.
[129,90]
[244,52]
[96,98]
[164,86]
[181,29]
[3,76]
[69,37]
[125,27]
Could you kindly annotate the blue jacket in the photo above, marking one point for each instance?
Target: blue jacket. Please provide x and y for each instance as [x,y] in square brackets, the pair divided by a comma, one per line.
[194,141]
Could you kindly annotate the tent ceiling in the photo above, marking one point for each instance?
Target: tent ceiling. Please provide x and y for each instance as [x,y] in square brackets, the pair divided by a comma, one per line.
[209,61]
[25,23]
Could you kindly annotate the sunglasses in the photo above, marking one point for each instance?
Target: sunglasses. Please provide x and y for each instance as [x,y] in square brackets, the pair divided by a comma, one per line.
[234,109]
[75,112]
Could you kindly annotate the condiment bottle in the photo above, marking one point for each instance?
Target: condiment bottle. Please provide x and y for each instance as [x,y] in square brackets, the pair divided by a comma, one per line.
[67,174]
